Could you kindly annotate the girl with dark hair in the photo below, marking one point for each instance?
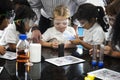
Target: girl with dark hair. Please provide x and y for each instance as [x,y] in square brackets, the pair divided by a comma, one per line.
[24,18]
[113,12]
[92,19]
[5,9]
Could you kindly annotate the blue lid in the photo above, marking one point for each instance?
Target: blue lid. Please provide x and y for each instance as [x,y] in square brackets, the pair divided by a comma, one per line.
[94,62]
[100,64]
[22,36]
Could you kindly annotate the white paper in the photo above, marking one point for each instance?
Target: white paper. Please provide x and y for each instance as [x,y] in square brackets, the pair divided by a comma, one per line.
[1,68]
[66,60]
[106,74]
[35,52]
[9,55]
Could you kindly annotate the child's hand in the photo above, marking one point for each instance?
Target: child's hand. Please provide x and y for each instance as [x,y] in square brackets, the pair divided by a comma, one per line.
[2,50]
[91,51]
[76,41]
[54,44]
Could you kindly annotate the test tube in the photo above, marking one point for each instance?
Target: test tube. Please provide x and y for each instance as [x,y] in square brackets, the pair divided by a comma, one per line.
[61,50]
[101,56]
[94,55]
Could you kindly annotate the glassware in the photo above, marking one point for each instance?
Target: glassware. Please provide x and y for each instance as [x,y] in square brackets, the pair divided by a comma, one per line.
[22,51]
[94,55]
[101,56]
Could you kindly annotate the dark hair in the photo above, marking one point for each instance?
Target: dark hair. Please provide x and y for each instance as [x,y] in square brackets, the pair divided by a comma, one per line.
[88,11]
[5,7]
[22,13]
[21,2]
[116,32]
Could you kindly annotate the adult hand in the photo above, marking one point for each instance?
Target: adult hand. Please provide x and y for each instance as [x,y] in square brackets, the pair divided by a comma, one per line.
[2,50]
[107,50]
[36,36]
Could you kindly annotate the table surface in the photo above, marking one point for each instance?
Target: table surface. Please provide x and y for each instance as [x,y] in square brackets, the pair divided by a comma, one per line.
[46,71]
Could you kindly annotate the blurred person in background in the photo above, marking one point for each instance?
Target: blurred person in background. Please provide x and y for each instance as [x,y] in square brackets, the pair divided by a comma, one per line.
[5,13]
[113,49]
[113,12]
[44,9]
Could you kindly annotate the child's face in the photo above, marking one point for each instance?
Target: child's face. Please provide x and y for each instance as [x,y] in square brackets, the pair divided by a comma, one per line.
[60,23]
[86,24]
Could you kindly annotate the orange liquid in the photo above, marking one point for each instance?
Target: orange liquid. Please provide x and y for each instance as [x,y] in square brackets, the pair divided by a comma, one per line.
[22,56]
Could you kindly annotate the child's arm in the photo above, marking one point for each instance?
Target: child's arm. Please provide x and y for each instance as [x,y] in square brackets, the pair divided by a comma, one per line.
[81,42]
[49,44]
[69,45]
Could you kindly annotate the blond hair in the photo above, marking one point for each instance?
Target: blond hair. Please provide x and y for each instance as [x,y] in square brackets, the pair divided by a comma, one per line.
[61,10]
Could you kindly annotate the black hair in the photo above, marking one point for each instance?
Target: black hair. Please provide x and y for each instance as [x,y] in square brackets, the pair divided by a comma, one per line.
[5,7]
[22,13]
[21,2]
[88,11]
[116,32]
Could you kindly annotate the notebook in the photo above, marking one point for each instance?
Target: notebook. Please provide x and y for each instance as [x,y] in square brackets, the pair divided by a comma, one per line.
[106,74]
[66,60]
[9,55]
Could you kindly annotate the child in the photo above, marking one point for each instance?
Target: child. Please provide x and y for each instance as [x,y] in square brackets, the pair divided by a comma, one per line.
[5,9]
[23,19]
[91,18]
[61,32]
